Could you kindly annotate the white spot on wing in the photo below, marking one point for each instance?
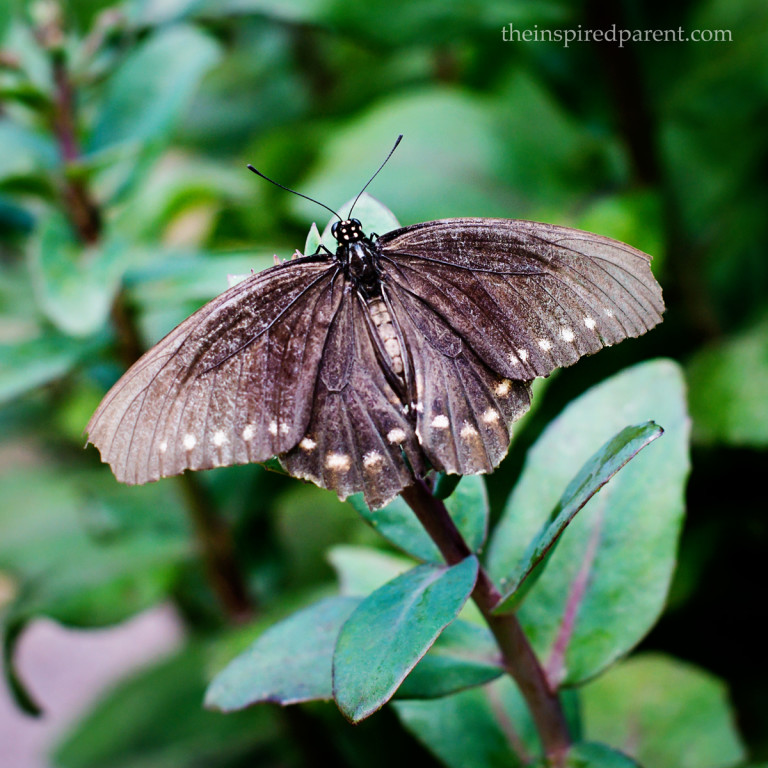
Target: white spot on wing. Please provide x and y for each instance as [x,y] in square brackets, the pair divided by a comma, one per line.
[272,428]
[219,438]
[440,422]
[490,416]
[338,461]
[523,354]
[567,333]
[190,441]
[545,344]
[249,431]
[503,387]
[468,431]
[607,312]
[163,447]
[284,428]
[396,435]
[589,322]
[308,444]
[372,459]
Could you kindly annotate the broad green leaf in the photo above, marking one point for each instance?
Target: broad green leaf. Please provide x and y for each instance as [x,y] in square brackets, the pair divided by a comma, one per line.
[289,663]
[600,468]
[85,551]
[156,12]
[487,727]
[465,655]
[30,364]
[179,191]
[154,719]
[606,583]
[728,384]
[362,570]
[24,152]
[467,506]
[423,175]
[663,712]
[144,102]
[594,755]
[392,629]
[75,284]
[147,96]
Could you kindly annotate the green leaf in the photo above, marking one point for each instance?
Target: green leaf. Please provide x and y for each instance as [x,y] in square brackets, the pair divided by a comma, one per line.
[392,629]
[144,102]
[24,151]
[593,755]
[148,95]
[422,174]
[289,663]
[154,719]
[600,468]
[606,583]
[30,364]
[663,712]
[314,239]
[465,655]
[85,551]
[487,727]
[362,570]
[75,284]
[467,506]
[727,384]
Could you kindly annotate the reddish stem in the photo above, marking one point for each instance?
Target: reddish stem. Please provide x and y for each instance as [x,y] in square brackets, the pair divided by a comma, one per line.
[519,659]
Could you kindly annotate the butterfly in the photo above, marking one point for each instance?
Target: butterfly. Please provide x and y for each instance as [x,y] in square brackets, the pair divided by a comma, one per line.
[364,368]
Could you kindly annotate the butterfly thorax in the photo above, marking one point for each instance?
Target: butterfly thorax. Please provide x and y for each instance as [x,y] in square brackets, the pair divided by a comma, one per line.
[358,255]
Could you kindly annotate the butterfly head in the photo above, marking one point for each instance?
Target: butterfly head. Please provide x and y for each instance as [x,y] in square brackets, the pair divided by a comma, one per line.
[349,231]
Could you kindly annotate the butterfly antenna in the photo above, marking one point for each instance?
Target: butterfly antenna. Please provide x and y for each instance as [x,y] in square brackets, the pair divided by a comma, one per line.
[293,191]
[391,152]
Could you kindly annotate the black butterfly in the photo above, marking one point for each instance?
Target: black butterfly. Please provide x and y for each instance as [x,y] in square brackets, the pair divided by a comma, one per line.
[362,368]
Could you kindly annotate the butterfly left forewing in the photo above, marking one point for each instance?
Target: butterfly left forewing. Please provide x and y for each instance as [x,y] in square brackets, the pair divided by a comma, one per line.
[359,438]
[233,383]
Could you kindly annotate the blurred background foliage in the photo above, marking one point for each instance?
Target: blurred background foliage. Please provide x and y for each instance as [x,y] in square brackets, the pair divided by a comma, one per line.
[124,204]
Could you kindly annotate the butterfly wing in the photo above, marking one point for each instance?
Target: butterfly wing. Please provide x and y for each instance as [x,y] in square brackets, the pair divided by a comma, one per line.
[359,438]
[464,410]
[526,297]
[232,384]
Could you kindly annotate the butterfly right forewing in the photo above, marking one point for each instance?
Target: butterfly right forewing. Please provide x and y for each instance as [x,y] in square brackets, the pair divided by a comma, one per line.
[527,297]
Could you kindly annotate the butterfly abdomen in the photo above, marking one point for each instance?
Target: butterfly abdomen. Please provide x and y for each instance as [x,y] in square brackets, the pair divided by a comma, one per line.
[386,329]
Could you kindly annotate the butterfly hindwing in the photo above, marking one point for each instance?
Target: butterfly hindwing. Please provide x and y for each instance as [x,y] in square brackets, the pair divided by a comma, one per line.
[359,438]
[527,297]
[232,384]
[464,410]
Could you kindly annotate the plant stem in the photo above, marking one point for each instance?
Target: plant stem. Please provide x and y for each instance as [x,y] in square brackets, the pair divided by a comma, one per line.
[217,549]
[519,659]
[82,210]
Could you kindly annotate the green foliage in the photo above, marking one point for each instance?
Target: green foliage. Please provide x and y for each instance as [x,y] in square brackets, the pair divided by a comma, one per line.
[726,408]
[605,584]
[391,630]
[664,713]
[468,507]
[125,129]
[590,479]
